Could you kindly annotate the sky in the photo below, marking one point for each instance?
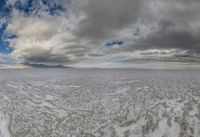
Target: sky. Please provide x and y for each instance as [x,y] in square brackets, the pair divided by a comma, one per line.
[161,34]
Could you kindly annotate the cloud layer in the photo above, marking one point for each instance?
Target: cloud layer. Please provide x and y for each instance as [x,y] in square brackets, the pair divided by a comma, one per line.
[76,32]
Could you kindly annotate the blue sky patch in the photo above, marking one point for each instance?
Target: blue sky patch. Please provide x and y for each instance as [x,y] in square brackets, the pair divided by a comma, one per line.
[5,48]
[114,42]
[4,45]
[29,7]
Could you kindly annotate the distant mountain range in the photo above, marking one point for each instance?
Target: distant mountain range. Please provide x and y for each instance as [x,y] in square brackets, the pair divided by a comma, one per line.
[34,65]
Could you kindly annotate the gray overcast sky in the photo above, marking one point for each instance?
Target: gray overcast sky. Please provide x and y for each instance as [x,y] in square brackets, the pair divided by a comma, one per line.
[102,33]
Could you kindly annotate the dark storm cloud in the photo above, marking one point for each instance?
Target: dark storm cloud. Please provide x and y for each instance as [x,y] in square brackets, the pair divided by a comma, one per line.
[46,58]
[103,18]
[168,36]
[175,22]
[177,26]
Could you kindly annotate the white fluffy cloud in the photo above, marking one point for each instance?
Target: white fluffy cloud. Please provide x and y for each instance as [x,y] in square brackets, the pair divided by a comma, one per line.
[45,38]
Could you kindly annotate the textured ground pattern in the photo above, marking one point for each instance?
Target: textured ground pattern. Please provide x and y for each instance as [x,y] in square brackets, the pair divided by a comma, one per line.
[99,103]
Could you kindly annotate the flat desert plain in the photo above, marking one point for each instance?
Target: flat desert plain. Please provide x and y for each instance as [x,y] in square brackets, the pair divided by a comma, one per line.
[99,103]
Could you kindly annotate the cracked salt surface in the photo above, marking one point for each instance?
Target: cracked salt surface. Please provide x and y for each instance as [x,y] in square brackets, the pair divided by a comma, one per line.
[4,124]
[99,103]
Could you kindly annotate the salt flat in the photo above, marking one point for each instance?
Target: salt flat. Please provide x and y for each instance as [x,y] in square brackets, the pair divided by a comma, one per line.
[99,103]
